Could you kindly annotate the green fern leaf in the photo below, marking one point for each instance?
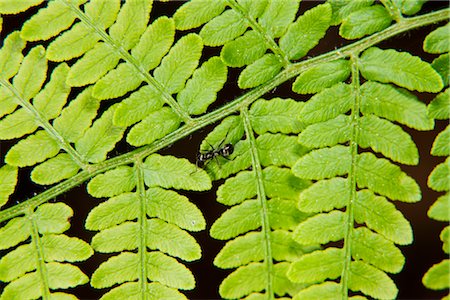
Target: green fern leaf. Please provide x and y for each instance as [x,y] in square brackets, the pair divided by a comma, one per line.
[253,276]
[15,231]
[365,245]
[381,216]
[182,60]
[50,21]
[245,217]
[155,126]
[7,7]
[323,163]
[305,33]
[441,145]
[441,65]
[182,213]
[389,139]
[260,71]
[101,138]
[439,107]
[112,183]
[153,290]
[328,133]
[400,68]
[326,290]
[246,249]
[223,28]
[161,235]
[11,56]
[93,65]
[394,104]
[321,229]
[201,90]
[133,109]
[171,172]
[231,51]
[371,281]
[437,40]
[112,212]
[60,276]
[79,39]
[275,115]
[438,276]
[45,172]
[77,116]
[372,173]
[440,209]
[8,178]
[161,268]
[439,179]
[285,152]
[320,77]
[152,46]
[278,16]
[35,148]
[195,13]
[31,74]
[341,9]
[365,21]
[317,266]
[328,104]
[409,7]
[279,182]
[324,195]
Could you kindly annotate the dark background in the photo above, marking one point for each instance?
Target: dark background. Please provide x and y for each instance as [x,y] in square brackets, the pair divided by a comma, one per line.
[420,256]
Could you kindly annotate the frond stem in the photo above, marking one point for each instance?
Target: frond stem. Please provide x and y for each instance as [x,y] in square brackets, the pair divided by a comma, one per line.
[270,43]
[142,220]
[43,122]
[352,178]
[125,55]
[261,194]
[40,263]
[220,113]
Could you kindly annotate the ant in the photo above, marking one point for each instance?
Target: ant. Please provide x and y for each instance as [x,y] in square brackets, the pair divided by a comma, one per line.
[224,151]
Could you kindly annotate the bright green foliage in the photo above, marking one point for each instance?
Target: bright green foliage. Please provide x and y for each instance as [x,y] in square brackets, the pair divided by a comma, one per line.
[365,21]
[301,173]
[306,32]
[29,277]
[437,41]
[400,68]
[8,7]
[320,77]
[439,107]
[150,220]
[79,39]
[442,65]
[438,276]
[201,90]
[342,119]
[8,178]
[263,213]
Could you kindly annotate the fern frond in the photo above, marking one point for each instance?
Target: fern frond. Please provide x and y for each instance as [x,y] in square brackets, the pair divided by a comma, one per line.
[360,116]
[39,267]
[263,200]
[151,220]
[272,28]
[438,276]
